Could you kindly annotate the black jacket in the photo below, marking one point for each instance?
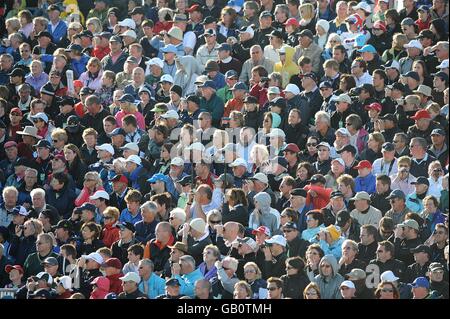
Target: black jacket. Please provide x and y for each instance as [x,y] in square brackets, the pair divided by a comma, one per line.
[87,276]
[120,250]
[293,286]
[297,247]
[394,265]
[356,263]
[237,214]
[415,270]
[275,267]
[95,121]
[297,134]
[367,253]
[403,249]
[380,202]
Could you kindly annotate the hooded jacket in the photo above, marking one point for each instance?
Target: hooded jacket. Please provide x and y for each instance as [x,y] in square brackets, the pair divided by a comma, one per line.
[329,286]
[266,216]
[288,68]
[188,69]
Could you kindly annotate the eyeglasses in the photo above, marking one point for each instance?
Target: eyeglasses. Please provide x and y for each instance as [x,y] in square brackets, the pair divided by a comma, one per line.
[311,144]
[226,268]
[250,271]
[289,267]
[55,141]
[215,221]
[171,218]
[387,290]
[200,118]
[312,293]
[15,114]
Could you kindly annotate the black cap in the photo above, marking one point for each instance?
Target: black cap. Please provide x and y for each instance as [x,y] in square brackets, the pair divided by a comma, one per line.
[126,225]
[137,10]
[208,20]
[398,86]
[275,33]
[348,148]
[290,225]
[299,192]
[186,180]
[87,206]
[389,117]
[250,99]
[172,282]
[278,102]
[73,120]
[74,47]
[45,34]
[336,194]
[425,34]
[118,131]
[21,161]
[86,90]
[18,72]
[53,7]
[306,33]
[388,146]
[421,249]
[193,98]
[311,75]
[438,131]
[326,84]
[114,10]
[421,180]
[177,89]
[86,33]
[43,293]
[396,193]
[366,87]
[67,100]
[317,178]
[63,223]
[342,217]
[44,144]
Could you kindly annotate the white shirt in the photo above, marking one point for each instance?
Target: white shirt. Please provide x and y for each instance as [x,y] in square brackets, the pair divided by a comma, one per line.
[379,167]
[435,187]
[189,40]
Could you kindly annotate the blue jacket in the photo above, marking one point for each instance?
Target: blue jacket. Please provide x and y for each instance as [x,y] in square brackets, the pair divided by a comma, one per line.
[413,203]
[79,66]
[126,216]
[188,281]
[333,249]
[432,219]
[366,184]
[219,80]
[145,232]
[60,31]
[156,286]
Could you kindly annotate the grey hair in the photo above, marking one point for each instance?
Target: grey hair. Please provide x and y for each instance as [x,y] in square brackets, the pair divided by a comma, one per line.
[147,262]
[188,259]
[10,189]
[150,205]
[352,243]
[232,262]
[323,116]
[421,141]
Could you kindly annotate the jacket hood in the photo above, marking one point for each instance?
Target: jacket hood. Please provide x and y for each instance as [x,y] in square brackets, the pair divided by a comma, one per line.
[332,261]
[264,201]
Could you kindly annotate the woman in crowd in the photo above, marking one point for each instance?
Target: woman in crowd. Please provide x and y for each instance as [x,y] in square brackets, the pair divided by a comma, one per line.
[91,239]
[92,183]
[110,233]
[295,280]
[313,256]
[208,269]
[314,221]
[236,209]
[76,166]
[253,277]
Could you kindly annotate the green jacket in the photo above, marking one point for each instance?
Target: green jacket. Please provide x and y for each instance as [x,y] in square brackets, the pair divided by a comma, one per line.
[32,265]
[225,94]
[102,15]
[214,106]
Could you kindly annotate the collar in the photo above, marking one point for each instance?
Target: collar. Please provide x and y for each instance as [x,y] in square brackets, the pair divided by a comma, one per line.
[227,60]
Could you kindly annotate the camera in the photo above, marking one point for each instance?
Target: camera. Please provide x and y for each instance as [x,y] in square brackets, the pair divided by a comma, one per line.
[21,227]
[263,246]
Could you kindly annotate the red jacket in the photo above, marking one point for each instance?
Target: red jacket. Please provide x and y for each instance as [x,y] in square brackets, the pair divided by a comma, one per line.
[115,284]
[100,53]
[110,234]
[232,105]
[423,25]
[321,200]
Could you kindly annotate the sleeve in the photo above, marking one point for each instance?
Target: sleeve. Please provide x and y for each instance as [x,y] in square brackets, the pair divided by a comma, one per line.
[187,287]
[47,58]
[227,283]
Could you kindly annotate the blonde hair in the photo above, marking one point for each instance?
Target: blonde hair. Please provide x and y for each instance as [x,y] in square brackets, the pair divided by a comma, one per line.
[60,134]
[255,266]
[244,285]
[311,285]
[308,11]
[37,225]
[96,176]
[400,40]
[97,24]
[112,211]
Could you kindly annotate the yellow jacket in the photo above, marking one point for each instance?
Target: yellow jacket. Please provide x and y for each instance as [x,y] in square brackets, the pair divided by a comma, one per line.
[288,68]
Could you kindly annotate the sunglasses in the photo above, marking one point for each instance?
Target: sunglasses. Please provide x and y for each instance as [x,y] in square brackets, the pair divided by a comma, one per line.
[311,144]
[15,114]
[272,288]
[387,290]
[325,266]
[215,221]
[107,217]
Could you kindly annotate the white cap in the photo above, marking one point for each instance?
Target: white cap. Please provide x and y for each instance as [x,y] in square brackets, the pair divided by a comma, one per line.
[394,65]
[131,276]
[276,132]
[343,131]
[339,160]
[127,23]
[134,159]
[249,30]
[129,33]
[196,146]
[388,276]
[239,162]
[156,61]
[95,257]
[130,146]
[363,5]
[22,211]
[65,281]
[171,114]
[443,65]
[166,78]
[178,213]
[414,44]
[292,88]
[348,283]
[100,194]
[277,239]
[106,147]
[198,224]
[343,98]
[261,177]
[177,161]
[42,273]
[41,116]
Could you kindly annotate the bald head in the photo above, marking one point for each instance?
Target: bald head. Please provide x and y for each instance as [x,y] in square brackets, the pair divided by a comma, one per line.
[230,231]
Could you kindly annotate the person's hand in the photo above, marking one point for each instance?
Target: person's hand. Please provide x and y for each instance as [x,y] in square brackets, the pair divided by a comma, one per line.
[186,228]
[267,253]
[398,232]
[176,269]
[234,244]
[31,285]
[431,240]
[313,193]
[218,264]
[219,230]
[26,205]
[427,50]
[81,262]
[379,125]
[322,235]
[250,185]
[341,261]
[191,196]
[18,231]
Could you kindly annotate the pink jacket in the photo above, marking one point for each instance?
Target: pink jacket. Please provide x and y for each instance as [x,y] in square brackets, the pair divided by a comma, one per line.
[84,196]
[139,117]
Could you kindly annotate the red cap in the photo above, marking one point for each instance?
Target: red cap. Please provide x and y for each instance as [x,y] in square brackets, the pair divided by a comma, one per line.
[8,268]
[421,114]
[9,144]
[291,147]
[16,109]
[78,84]
[379,25]
[112,262]
[374,106]
[60,157]
[120,178]
[292,21]
[364,164]
[261,229]
[194,7]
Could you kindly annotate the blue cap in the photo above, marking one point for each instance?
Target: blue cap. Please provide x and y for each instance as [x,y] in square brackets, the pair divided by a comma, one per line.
[170,48]
[126,98]
[438,131]
[157,177]
[111,295]
[421,282]
[423,8]
[360,40]
[239,86]
[118,131]
[208,84]
[231,74]
[225,47]
[368,48]
[74,47]
[326,84]
[87,206]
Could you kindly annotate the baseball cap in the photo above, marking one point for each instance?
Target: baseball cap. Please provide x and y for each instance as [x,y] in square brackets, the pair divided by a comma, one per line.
[368,48]
[413,43]
[43,144]
[273,90]
[348,148]
[364,6]
[9,268]
[407,21]
[186,180]
[177,161]
[126,98]
[131,276]
[105,147]
[290,225]
[277,239]
[298,192]
[99,194]
[336,193]
[348,284]
[421,180]
[413,75]
[171,114]
[261,229]
[224,47]
[40,116]
[51,261]
[156,61]
[20,210]
[87,206]
[95,257]
[356,274]
[388,147]
[343,98]
[388,276]
[239,86]
[238,162]
[392,64]
[156,178]
[112,262]
[444,64]
[317,178]
[374,106]
[208,84]
[134,159]
[119,178]
[396,193]
[276,132]
[261,177]
[166,78]
[421,249]
[411,223]
[306,33]
[438,131]
[292,88]
[248,241]
[180,246]
[126,225]
[421,282]
[172,282]
[128,23]
[170,48]
[364,164]
[231,74]
[291,147]
[342,217]
[361,196]
[131,147]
